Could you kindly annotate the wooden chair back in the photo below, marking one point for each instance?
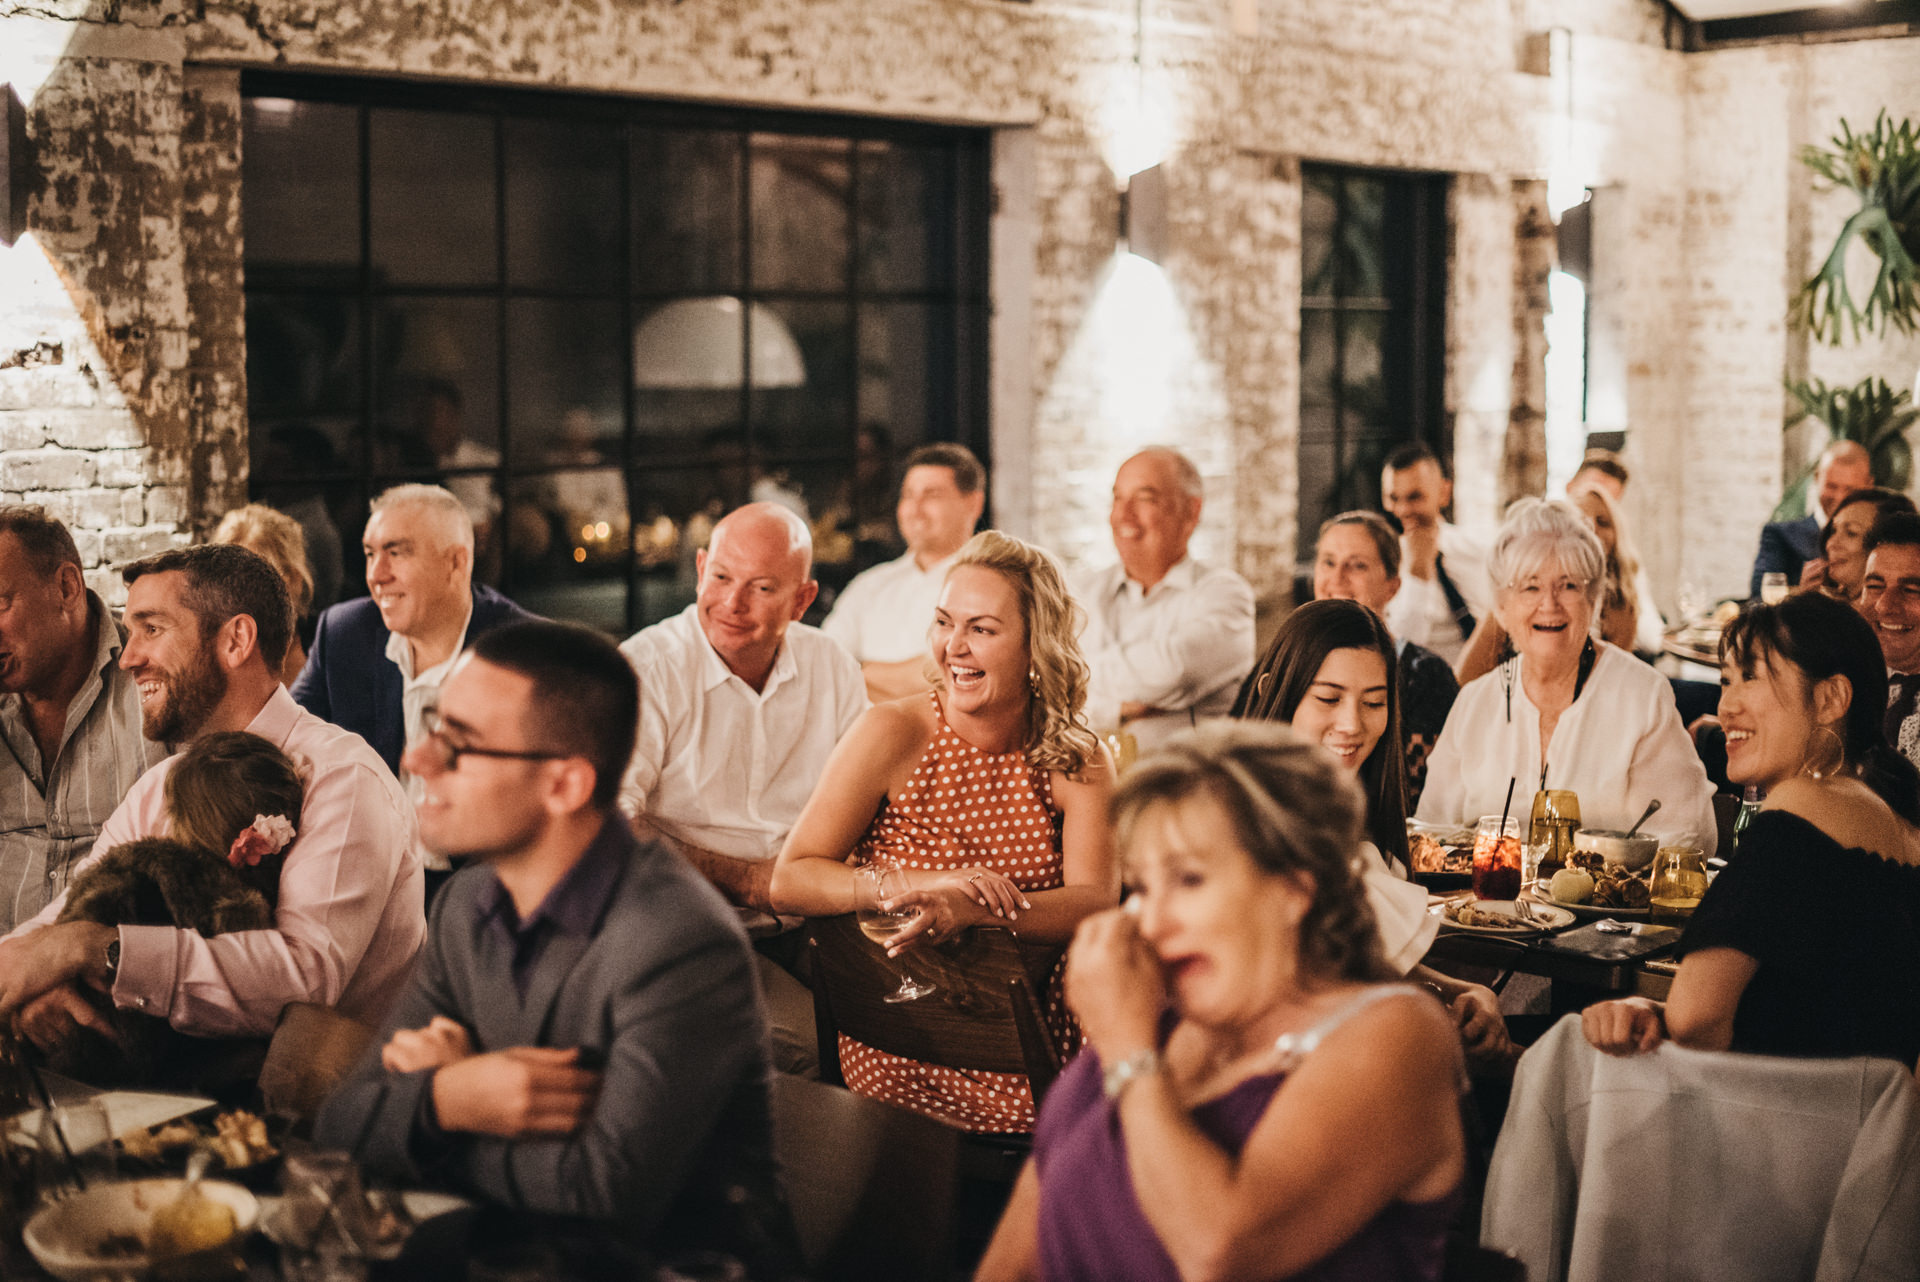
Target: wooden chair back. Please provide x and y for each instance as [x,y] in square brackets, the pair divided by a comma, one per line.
[871,1186]
[983,1017]
[312,1051]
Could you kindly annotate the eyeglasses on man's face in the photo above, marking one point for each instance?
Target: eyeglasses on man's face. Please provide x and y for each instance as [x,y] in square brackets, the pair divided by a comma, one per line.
[445,754]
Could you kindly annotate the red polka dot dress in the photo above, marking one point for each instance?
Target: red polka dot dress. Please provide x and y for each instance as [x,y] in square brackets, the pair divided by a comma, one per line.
[966,808]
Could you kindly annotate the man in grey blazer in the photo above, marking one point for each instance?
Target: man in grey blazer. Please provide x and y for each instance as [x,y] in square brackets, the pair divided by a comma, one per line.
[581,1037]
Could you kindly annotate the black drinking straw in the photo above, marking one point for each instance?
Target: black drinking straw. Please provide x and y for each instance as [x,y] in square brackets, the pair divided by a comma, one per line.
[1506,809]
[53,1120]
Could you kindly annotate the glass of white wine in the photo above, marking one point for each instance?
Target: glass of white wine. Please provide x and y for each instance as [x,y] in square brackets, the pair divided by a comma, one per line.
[1773,587]
[877,883]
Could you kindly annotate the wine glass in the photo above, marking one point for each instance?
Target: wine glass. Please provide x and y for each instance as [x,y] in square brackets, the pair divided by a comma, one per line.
[877,883]
[1773,587]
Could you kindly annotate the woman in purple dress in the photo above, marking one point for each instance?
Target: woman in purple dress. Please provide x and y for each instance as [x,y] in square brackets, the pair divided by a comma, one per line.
[1254,1101]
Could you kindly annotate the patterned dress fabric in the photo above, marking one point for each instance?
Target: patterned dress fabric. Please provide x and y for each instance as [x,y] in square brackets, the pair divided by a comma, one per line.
[966,808]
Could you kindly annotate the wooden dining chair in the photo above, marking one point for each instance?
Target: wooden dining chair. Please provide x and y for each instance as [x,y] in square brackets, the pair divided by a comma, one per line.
[983,1015]
[871,1186]
[313,1049]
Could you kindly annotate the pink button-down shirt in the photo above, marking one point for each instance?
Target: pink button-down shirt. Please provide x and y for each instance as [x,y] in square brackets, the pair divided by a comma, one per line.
[352,898]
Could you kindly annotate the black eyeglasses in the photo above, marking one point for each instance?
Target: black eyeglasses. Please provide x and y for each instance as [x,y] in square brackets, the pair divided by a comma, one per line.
[447,753]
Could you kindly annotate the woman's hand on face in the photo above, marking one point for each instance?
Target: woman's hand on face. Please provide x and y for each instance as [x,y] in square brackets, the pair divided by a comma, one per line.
[1630,1026]
[1115,984]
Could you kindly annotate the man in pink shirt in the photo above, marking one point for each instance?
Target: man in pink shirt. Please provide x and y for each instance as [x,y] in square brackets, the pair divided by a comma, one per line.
[208,627]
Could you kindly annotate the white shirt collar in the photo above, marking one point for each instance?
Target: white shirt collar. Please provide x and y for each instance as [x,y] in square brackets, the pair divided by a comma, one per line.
[400,650]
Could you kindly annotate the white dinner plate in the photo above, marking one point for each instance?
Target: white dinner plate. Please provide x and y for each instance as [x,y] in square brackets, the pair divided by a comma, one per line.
[1545,916]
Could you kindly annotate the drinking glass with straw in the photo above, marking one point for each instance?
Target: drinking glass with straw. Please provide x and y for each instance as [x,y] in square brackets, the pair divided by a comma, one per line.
[1496,853]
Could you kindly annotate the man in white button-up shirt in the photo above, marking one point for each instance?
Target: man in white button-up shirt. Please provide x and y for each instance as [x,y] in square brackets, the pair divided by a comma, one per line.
[740,707]
[882,616]
[740,704]
[1168,639]
[1444,588]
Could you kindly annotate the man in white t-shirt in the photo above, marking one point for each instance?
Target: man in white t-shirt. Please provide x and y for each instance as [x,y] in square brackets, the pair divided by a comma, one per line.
[1168,639]
[881,617]
[1444,588]
[740,707]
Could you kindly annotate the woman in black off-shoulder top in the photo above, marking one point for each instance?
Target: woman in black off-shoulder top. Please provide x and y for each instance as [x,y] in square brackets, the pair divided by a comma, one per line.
[1808,944]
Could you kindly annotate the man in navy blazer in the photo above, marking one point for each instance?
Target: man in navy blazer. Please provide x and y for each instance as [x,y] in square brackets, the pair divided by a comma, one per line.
[1787,546]
[377,663]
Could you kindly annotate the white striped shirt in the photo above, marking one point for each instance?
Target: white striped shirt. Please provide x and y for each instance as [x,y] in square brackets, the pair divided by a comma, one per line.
[49,818]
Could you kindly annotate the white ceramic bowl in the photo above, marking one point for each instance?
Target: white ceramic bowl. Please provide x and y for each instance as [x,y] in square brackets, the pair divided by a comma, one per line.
[1618,849]
[66,1236]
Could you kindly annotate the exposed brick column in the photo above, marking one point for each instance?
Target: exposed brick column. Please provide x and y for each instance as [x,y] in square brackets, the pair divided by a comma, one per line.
[216,328]
[1524,469]
[94,420]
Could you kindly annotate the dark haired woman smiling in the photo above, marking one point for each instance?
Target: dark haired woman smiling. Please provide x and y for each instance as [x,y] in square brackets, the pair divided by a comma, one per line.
[1809,942]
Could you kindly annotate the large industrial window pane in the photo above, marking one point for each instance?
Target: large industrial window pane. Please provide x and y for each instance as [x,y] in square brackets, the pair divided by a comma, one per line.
[1363,244]
[303,355]
[686,210]
[564,370]
[1319,473]
[300,172]
[437,390]
[603,323]
[1371,323]
[799,208]
[1319,220]
[817,411]
[906,371]
[433,198]
[566,546]
[563,205]
[1363,388]
[1319,356]
[906,208]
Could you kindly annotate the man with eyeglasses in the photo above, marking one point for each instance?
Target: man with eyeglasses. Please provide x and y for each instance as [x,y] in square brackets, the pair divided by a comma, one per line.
[207,630]
[582,1037]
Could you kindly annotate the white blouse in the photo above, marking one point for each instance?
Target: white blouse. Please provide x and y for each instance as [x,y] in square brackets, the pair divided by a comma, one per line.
[1399,906]
[1618,747]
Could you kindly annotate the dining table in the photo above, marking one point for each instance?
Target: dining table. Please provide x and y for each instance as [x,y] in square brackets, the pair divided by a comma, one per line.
[1586,960]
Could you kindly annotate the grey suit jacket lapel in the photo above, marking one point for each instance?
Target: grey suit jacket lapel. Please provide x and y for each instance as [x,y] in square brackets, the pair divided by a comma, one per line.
[563,952]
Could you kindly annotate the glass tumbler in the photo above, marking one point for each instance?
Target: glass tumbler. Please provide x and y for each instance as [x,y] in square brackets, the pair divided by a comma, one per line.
[1496,858]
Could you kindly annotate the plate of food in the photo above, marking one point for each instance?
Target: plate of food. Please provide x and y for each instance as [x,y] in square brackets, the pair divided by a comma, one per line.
[1442,854]
[1585,892]
[1501,916]
[237,1139]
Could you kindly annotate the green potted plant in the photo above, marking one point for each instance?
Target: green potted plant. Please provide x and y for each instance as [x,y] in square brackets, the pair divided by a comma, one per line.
[1869,412]
[1882,168]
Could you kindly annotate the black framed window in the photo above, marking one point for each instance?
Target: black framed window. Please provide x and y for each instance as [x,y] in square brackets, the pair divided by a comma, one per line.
[1372,334]
[604,323]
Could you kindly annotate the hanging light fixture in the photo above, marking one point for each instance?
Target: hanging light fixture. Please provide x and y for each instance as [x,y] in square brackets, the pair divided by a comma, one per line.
[704,344]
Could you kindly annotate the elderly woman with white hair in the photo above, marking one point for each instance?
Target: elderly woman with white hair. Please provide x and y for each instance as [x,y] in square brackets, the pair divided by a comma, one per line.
[1568,710]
